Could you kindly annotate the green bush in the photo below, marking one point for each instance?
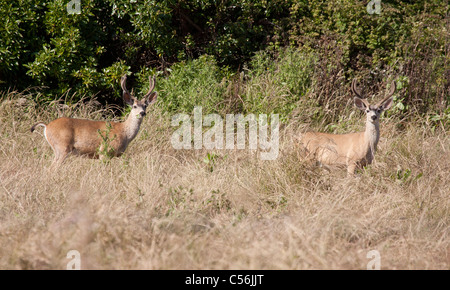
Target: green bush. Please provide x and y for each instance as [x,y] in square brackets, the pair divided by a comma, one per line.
[20,38]
[191,83]
[275,83]
[283,48]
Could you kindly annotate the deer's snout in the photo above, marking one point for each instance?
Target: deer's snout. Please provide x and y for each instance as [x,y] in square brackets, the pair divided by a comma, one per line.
[142,113]
[374,117]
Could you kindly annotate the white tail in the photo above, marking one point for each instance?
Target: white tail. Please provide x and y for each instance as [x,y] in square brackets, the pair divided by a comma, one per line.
[354,149]
[84,137]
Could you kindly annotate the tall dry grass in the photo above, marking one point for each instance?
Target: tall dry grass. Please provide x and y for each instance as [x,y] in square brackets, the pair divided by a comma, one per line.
[161,208]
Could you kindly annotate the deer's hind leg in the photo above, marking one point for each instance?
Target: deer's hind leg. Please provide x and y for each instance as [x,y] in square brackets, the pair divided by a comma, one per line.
[60,155]
[62,146]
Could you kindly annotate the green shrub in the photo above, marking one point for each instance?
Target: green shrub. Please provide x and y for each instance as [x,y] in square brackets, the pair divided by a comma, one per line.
[20,38]
[191,83]
[275,84]
[277,51]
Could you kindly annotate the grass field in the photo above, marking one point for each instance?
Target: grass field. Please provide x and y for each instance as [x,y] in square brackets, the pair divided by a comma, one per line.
[160,208]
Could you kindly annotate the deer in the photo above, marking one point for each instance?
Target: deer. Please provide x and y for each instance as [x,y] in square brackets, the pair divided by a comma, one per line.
[84,137]
[352,150]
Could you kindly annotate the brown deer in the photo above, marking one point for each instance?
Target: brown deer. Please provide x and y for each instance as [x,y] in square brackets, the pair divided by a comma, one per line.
[354,149]
[83,137]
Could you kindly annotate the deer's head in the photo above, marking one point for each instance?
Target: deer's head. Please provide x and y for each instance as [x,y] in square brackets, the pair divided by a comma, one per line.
[373,112]
[138,107]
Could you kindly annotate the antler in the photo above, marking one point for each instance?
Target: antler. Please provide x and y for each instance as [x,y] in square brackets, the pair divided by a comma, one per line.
[152,86]
[391,92]
[355,89]
[392,89]
[123,81]
[358,94]
[129,99]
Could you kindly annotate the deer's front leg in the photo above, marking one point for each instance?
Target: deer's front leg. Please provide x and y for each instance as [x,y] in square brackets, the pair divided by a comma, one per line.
[351,167]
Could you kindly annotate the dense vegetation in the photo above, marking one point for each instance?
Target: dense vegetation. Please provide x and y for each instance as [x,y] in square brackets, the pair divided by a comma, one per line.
[156,207]
[206,52]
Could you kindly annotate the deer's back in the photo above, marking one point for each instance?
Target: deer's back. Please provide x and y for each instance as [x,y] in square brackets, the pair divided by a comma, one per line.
[331,148]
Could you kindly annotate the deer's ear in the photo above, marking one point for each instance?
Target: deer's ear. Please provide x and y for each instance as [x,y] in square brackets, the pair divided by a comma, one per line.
[361,103]
[151,98]
[385,105]
[128,98]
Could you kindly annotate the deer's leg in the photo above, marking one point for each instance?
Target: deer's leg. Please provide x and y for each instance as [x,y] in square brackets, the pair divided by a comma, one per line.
[351,169]
[61,153]
[304,155]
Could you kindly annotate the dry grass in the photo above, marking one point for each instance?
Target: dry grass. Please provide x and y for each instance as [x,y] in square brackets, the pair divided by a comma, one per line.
[161,208]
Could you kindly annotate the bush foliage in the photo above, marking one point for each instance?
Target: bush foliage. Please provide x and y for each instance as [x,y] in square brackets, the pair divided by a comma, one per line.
[219,53]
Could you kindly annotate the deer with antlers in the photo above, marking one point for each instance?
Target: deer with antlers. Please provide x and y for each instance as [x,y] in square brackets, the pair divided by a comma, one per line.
[354,149]
[83,137]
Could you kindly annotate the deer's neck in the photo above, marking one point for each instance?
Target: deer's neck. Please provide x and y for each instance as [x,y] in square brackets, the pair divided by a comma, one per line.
[131,126]
[371,136]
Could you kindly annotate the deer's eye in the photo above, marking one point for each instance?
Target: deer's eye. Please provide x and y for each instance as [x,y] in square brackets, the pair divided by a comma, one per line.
[367,111]
[134,106]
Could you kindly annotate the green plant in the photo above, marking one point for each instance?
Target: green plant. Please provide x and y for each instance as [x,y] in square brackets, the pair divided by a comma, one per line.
[193,83]
[406,177]
[284,50]
[210,161]
[277,80]
[217,202]
[441,120]
[105,150]
[178,198]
